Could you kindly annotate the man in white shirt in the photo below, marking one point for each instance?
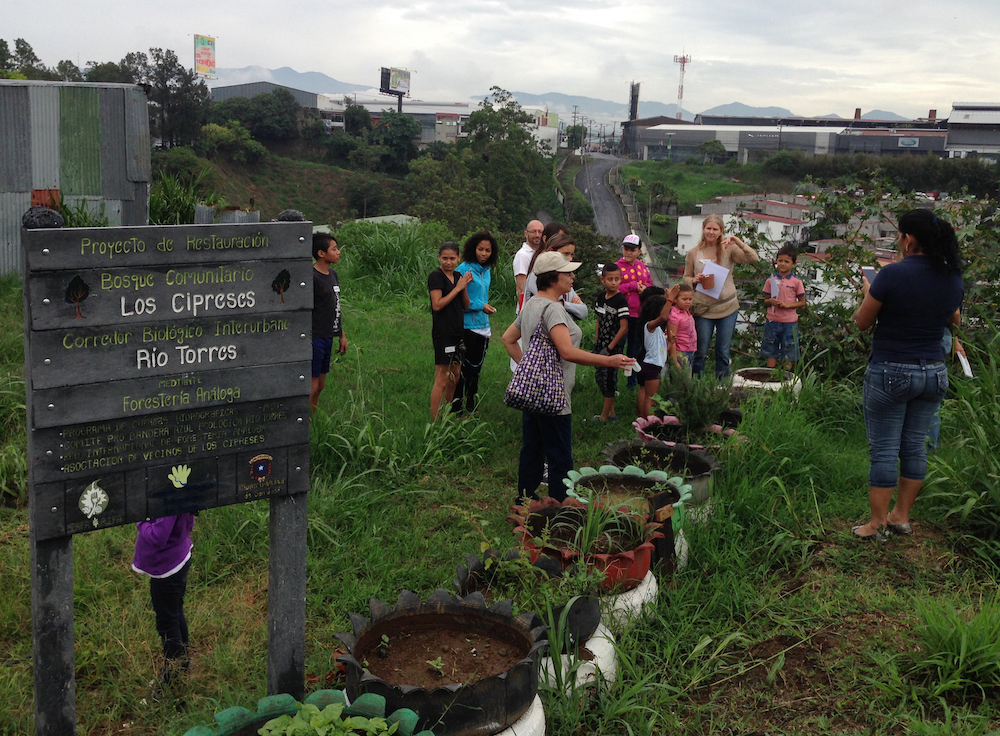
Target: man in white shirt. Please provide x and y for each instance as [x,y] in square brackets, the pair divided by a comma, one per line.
[522,259]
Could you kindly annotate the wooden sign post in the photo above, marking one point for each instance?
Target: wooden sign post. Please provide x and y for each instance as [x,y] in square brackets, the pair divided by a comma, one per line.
[168,370]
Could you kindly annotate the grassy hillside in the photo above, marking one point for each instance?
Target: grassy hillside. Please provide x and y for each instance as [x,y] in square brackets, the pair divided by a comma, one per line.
[780,623]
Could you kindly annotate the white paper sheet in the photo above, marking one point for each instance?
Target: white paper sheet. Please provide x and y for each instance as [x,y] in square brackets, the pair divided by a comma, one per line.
[966,368]
[721,274]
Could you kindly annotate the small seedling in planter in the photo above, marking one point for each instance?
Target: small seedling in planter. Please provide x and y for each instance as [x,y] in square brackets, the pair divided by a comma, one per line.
[437,665]
[383,648]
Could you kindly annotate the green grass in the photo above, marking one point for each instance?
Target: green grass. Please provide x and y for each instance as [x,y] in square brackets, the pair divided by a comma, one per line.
[692,183]
[781,623]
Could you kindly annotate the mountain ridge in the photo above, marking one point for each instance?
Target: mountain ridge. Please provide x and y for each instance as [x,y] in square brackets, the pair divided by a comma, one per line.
[594,108]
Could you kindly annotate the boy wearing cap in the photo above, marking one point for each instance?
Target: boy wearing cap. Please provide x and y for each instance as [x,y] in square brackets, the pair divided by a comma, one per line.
[635,279]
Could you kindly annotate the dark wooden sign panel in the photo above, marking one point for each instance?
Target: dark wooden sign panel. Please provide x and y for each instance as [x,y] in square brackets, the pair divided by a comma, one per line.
[168,370]
[81,355]
[68,249]
[123,297]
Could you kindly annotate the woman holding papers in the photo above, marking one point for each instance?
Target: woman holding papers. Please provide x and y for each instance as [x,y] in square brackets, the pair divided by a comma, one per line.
[909,304]
[709,269]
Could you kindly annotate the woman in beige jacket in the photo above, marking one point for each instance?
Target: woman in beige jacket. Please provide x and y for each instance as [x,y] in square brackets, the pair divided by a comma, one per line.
[718,315]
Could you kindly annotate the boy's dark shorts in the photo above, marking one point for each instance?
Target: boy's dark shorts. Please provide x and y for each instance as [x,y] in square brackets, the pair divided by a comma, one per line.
[322,351]
[780,341]
[607,381]
[448,350]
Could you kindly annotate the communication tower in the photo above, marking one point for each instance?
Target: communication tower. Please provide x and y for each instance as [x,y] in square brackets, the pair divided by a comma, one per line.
[683,61]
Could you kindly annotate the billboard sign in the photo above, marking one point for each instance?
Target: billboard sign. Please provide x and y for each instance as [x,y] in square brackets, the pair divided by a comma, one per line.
[395,81]
[909,142]
[204,56]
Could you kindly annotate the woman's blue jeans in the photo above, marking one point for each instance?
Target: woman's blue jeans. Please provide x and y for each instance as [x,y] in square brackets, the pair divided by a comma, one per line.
[899,401]
[723,328]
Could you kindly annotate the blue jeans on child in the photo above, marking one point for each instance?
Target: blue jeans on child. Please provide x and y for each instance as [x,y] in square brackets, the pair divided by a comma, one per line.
[780,341]
[723,328]
[899,402]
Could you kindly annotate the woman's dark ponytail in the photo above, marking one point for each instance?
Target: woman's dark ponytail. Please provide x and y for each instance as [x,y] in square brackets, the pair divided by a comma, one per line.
[936,238]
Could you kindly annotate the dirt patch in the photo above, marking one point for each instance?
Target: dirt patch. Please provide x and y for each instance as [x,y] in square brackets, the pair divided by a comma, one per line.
[435,658]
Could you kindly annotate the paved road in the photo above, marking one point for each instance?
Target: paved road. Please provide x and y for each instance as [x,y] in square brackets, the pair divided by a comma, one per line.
[590,180]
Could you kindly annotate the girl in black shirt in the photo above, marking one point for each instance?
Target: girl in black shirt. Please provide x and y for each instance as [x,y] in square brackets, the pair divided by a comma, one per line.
[448,300]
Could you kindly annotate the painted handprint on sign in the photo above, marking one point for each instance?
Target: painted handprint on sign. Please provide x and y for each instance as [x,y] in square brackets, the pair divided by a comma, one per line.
[179,475]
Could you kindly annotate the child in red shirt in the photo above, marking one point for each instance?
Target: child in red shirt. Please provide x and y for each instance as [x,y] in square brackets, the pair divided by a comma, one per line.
[785,294]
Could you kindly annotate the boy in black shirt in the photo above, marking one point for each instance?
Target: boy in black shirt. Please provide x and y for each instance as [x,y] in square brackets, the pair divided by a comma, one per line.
[612,327]
[326,318]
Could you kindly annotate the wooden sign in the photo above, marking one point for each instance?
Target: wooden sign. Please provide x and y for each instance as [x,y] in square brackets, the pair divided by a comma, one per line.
[168,370]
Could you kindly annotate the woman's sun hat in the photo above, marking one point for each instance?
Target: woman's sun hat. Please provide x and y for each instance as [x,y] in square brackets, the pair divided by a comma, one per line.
[553,261]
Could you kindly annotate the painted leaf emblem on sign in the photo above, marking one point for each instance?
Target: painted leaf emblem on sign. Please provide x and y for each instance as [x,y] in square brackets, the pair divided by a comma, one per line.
[76,292]
[281,283]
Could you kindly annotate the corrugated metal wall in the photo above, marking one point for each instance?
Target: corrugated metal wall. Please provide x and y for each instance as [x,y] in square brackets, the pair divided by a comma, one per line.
[44,137]
[12,206]
[85,143]
[80,140]
[15,146]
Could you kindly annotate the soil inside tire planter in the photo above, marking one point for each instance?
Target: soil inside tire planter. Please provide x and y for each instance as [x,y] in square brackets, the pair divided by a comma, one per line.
[423,653]
[661,457]
[477,701]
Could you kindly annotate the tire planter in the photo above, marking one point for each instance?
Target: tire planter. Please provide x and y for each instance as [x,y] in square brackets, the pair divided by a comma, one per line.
[238,721]
[760,379]
[604,660]
[670,431]
[664,496]
[531,723]
[623,569]
[470,707]
[697,467]
[583,617]
[618,611]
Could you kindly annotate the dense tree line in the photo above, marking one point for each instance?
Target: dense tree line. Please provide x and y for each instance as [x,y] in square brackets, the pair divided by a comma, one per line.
[907,173]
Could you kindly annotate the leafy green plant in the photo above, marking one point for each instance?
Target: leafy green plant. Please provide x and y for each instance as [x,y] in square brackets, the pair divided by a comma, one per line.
[172,199]
[83,215]
[330,721]
[963,480]
[698,400]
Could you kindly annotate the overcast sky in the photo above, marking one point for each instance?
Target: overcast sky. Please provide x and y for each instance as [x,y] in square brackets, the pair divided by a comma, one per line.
[811,58]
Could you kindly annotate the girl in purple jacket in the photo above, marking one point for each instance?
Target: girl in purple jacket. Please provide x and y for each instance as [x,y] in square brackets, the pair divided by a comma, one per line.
[163,551]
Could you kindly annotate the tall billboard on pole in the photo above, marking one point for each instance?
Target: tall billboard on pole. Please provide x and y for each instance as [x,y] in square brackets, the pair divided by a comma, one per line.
[204,56]
[395,81]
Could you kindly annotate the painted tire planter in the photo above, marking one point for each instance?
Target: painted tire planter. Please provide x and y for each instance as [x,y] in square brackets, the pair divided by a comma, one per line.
[696,466]
[479,704]
[238,721]
[670,431]
[623,569]
[583,617]
[760,379]
[618,611]
[604,660]
[531,723]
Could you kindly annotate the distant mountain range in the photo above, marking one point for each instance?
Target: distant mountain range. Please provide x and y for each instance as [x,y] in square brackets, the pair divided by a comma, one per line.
[601,111]
[315,82]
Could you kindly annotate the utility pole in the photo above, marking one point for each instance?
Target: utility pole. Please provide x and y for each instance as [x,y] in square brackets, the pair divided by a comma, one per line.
[683,61]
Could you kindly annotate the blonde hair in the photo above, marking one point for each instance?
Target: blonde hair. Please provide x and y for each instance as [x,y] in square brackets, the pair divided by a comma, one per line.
[717,219]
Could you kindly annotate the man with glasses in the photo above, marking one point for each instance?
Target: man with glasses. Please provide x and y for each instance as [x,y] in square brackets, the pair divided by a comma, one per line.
[522,259]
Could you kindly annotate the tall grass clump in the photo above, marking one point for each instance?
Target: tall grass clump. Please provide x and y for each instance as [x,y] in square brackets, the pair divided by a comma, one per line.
[959,653]
[963,480]
[388,260]
[172,199]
